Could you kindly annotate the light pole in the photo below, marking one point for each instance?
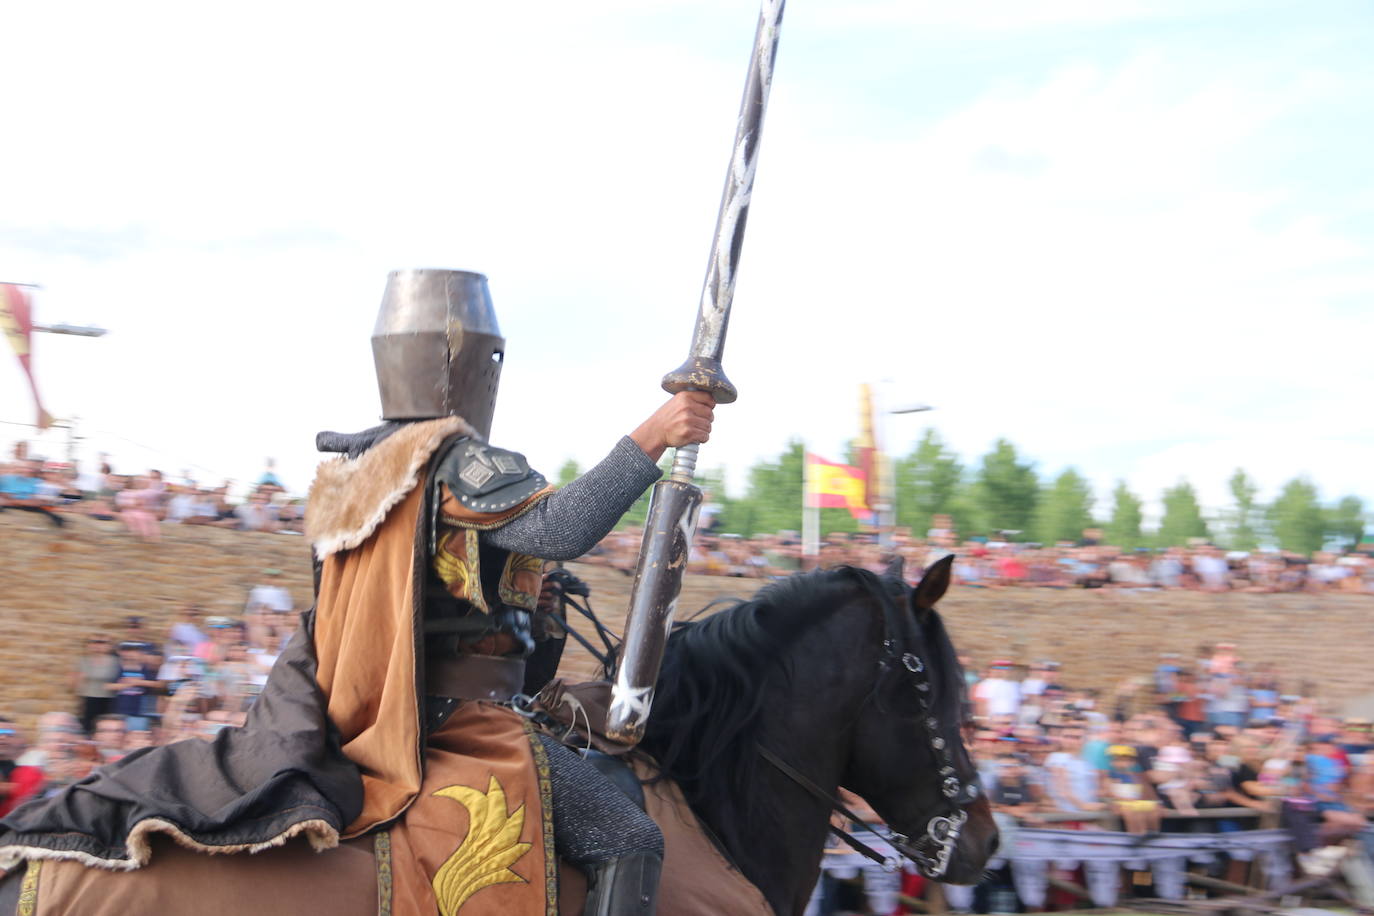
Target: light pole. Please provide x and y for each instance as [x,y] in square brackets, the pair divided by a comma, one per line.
[71,330]
[65,330]
[887,505]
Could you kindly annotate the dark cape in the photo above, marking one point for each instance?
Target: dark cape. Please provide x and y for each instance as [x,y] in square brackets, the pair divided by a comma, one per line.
[250,788]
[284,772]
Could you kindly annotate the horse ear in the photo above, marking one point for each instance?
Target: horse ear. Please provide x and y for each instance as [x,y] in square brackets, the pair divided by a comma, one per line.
[896,566]
[932,586]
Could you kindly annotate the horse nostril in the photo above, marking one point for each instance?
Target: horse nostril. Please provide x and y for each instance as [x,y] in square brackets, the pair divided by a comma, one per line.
[992,846]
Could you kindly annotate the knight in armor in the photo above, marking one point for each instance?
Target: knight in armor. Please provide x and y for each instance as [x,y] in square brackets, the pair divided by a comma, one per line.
[389,715]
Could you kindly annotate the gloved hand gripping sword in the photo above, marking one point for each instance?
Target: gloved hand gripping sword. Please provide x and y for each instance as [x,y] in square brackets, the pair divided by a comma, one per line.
[673,508]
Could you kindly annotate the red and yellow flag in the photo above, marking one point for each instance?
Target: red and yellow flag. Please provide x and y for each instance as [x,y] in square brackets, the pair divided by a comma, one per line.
[835,486]
[16,320]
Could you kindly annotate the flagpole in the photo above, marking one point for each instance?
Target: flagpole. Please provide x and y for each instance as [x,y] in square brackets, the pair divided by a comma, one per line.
[811,511]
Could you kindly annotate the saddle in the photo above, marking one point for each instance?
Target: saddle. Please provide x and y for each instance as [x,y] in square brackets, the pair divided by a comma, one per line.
[574,715]
[578,713]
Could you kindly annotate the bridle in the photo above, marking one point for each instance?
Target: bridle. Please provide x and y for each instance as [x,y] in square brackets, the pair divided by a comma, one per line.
[930,853]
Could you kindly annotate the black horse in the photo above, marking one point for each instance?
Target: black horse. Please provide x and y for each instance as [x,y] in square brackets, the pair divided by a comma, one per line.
[845,678]
[841,677]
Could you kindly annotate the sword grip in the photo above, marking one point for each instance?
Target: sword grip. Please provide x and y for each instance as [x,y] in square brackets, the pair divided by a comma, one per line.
[684,463]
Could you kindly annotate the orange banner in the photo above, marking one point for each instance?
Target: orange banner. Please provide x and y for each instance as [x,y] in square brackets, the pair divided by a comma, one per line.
[16,320]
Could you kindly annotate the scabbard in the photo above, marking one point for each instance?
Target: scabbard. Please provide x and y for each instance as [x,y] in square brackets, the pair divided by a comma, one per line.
[664,551]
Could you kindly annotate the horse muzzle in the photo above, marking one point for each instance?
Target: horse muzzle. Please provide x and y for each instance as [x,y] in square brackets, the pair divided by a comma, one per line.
[931,853]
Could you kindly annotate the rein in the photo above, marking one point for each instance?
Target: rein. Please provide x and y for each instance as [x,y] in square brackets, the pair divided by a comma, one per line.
[942,831]
[568,586]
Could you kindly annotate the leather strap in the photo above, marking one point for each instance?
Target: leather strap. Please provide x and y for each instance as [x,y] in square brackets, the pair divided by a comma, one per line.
[475,677]
[835,804]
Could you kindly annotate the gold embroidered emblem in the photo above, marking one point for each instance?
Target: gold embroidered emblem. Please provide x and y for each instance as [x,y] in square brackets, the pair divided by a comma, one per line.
[521,580]
[457,563]
[486,853]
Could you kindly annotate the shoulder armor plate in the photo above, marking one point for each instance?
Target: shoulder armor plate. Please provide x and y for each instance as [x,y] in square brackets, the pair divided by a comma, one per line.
[487,479]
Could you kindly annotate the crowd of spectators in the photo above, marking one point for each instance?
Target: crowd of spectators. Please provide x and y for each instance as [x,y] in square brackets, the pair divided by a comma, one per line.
[1209,744]
[1208,732]
[136,689]
[1005,564]
[142,503]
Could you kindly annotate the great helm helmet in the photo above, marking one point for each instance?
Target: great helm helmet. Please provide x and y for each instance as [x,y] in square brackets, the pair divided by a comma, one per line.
[437,347]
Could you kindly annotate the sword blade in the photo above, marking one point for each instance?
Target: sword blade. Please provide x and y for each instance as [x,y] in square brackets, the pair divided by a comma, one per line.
[671,523]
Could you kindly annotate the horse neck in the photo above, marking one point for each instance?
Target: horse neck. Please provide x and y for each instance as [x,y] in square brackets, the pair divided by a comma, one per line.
[807,725]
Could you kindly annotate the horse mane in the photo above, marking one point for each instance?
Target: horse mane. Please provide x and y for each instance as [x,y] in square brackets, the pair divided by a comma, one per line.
[708,706]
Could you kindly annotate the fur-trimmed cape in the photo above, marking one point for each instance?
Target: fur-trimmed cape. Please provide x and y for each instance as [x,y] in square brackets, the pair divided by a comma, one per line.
[350,498]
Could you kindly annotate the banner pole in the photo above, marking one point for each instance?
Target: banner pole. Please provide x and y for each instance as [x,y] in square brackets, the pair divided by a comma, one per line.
[811,513]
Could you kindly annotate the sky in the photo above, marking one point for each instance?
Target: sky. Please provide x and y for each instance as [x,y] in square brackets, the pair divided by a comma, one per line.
[1132,237]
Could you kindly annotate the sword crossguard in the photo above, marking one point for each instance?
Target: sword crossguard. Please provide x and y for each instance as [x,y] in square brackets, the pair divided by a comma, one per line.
[702,373]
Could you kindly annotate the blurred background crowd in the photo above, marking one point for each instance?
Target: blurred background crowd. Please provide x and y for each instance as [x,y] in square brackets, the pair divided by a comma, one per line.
[137,688]
[987,563]
[1209,743]
[141,503]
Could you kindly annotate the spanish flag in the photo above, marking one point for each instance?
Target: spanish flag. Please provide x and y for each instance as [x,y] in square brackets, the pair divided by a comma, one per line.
[16,320]
[836,486]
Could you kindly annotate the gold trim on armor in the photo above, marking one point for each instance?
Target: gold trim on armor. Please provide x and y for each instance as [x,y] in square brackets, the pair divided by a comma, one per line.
[381,853]
[460,568]
[535,500]
[521,567]
[541,768]
[28,891]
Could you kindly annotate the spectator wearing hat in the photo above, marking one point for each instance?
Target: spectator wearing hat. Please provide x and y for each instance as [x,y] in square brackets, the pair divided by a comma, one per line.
[223,633]
[1132,797]
[1356,737]
[1166,674]
[1015,791]
[133,683]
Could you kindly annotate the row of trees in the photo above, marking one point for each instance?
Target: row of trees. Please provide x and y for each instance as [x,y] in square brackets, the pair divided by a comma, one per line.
[1003,493]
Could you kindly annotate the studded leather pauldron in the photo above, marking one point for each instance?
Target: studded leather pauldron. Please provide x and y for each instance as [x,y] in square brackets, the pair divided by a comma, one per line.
[485,478]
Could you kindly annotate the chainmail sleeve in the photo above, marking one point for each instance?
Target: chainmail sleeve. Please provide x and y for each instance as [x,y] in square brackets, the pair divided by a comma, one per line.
[570,521]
